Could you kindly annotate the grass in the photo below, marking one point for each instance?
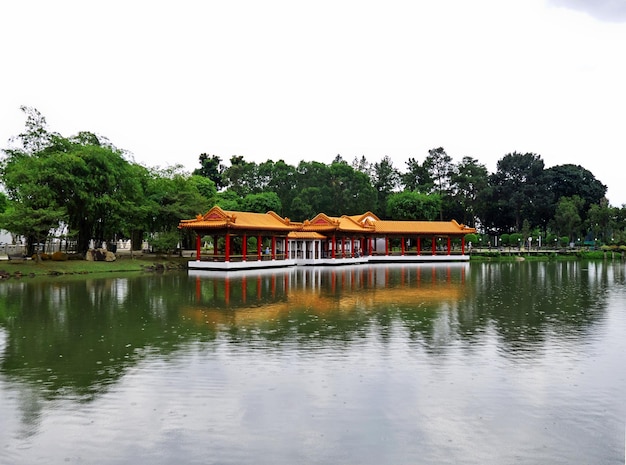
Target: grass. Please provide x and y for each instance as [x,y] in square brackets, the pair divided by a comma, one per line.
[126,264]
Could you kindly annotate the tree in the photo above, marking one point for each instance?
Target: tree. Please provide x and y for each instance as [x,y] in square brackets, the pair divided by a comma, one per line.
[241,176]
[85,178]
[31,222]
[439,166]
[261,203]
[518,191]
[416,177]
[385,178]
[211,167]
[567,217]
[173,196]
[409,205]
[350,190]
[569,180]
[279,178]
[468,180]
[309,202]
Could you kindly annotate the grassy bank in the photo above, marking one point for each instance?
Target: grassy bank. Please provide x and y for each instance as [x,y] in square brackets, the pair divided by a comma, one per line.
[143,263]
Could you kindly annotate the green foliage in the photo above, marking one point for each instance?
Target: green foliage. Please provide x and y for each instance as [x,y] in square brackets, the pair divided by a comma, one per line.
[261,203]
[471,238]
[165,242]
[567,215]
[409,205]
[505,239]
[516,240]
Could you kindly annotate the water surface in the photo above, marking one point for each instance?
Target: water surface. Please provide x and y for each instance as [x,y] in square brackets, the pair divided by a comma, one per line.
[461,363]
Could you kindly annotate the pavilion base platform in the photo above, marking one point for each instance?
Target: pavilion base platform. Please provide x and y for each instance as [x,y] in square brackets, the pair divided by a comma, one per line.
[417,258]
[239,265]
[364,260]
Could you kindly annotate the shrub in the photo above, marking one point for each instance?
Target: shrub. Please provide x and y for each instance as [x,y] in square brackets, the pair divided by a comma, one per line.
[59,256]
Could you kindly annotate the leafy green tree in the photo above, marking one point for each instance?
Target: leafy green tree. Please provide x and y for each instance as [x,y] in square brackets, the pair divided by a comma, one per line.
[351,190]
[386,179]
[241,176]
[173,196]
[468,180]
[409,205]
[440,168]
[229,200]
[362,165]
[517,191]
[314,194]
[205,187]
[417,177]
[165,242]
[33,223]
[601,221]
[262,202]
[309,202]
[85,178]
[211,167]
[567,217]
[569,180]
[279,178]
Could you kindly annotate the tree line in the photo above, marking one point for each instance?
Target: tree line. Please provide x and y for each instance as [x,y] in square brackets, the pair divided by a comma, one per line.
[83,187]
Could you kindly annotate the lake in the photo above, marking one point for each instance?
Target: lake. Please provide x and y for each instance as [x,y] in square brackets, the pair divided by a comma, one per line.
[479,363]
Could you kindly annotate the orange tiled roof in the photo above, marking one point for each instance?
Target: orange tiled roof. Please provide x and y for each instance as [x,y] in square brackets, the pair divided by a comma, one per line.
[305,235]
[216,218]
[422,227]
[366,223]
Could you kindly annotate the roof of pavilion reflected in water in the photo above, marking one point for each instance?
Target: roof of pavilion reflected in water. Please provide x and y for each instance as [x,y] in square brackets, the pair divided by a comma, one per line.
[264,295]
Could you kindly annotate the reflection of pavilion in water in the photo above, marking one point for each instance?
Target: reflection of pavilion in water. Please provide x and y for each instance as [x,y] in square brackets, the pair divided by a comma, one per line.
[265,294]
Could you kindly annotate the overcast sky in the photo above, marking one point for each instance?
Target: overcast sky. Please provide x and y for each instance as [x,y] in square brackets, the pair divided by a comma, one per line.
[309,80]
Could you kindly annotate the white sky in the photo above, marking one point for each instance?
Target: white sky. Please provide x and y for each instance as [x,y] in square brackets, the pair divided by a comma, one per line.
[309,80]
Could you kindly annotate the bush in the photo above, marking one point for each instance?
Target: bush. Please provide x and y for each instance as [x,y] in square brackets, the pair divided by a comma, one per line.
[59,257]
[42,257]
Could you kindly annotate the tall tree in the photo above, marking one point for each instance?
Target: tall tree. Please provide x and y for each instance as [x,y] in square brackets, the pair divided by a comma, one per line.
[351,190]
[567,218]
[468,180]
[440,169]
[85,177]
[410,205]
[569,180]
[517,192]
[280,179]
[241,176]
[211,167]
[416,177]
[386,179]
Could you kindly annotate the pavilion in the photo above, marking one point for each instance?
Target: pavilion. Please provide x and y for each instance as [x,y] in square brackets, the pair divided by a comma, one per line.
[245,240]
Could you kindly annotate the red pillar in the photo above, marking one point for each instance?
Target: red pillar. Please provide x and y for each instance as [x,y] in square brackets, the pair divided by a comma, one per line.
[333,243]
[449,245]
[227,248]
[273,247]
[419,245]
[343,247]
[386,245]
[198,247]
[402,246]
[286,248]
[259,246]
[463,245]
[434,245]
[244,248]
